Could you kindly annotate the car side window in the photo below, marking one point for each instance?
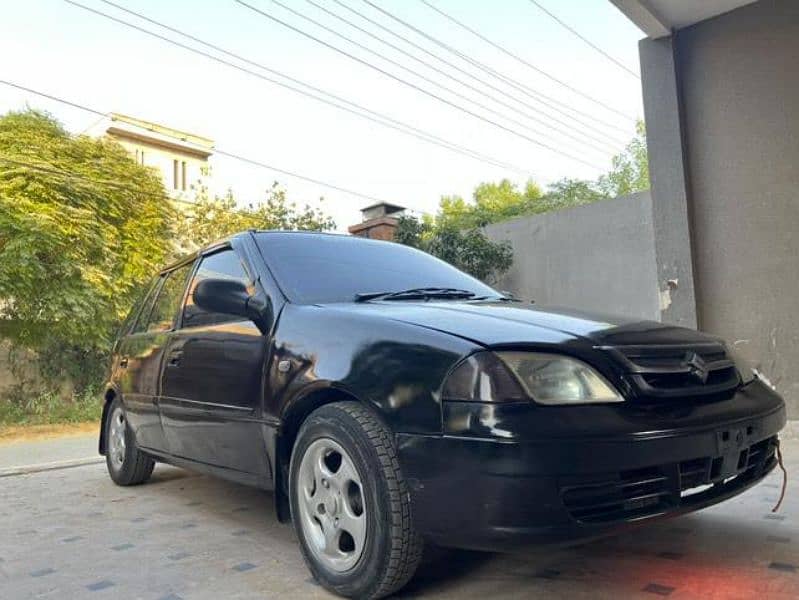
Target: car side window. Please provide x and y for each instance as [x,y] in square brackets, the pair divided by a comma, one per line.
[165,310]
[220,265]
[133,323]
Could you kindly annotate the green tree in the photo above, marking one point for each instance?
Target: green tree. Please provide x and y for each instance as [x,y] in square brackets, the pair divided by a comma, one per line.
[570,192]
[208,219]
[467,249]
[630,170]
[82,226]
[453,233]
[491,202]
[495,202]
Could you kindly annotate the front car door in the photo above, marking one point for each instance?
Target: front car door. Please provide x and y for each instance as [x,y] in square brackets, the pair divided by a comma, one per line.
[139,357]
[212,379]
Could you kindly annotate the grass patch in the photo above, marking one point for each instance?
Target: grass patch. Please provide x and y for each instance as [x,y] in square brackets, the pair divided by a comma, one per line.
[51,409]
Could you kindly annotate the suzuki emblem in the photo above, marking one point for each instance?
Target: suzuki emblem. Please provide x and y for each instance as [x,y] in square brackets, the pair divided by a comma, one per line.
[697,366]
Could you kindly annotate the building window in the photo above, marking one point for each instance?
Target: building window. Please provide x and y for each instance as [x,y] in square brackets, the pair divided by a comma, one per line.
[175,174]
[183,175]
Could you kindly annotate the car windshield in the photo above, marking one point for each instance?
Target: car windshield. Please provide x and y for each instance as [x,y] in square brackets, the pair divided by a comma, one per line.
[314,268]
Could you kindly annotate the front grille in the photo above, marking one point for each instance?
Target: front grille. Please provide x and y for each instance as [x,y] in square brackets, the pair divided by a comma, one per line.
[638,493]
[667,371]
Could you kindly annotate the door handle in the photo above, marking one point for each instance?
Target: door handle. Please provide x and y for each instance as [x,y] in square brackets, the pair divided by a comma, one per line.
[123,362]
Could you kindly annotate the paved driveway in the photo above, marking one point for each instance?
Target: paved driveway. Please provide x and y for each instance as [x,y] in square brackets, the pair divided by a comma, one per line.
[70,533]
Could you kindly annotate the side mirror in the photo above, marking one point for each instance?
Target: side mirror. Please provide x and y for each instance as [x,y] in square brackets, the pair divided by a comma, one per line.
[225,296]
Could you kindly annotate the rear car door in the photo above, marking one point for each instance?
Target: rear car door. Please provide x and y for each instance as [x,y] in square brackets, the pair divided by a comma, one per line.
[139,358]
[212,379]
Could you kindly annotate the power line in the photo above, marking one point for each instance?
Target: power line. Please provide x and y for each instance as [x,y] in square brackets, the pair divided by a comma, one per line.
[414,86]
[433,82]
[567,27]
[528,91]
[220,151]
[523,61]
[499,101]
[370,115]
[487,84]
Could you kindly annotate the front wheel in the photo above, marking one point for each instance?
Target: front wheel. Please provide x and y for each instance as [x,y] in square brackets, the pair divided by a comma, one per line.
[127,465]
[350,504]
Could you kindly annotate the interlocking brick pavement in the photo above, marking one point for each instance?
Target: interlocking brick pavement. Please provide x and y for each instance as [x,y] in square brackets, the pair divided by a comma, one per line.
[71,533]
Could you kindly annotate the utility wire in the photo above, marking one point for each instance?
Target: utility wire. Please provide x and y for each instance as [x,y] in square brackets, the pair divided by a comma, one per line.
[527,90]
[435,83]
[466,84]
[337,102]
[487,84]
[523,61]
[414,86]
[220,151]
[569,28]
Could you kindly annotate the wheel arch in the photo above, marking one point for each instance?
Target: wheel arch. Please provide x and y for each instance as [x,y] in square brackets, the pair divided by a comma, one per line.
[292,419]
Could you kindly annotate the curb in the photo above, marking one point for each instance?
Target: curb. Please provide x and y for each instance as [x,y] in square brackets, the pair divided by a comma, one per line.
[51,466]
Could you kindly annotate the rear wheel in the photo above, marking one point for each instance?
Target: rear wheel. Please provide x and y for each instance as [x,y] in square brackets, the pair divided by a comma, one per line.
[350,503]
[127,465]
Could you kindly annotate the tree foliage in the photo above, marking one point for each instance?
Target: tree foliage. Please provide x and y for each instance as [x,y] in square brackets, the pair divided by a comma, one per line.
[491,202]
[495,202]
[454,234]
[467,249]
[82,225]
[208,219]
[630,170]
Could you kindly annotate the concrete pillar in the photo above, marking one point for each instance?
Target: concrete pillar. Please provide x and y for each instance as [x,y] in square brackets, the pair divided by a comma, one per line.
[669,182]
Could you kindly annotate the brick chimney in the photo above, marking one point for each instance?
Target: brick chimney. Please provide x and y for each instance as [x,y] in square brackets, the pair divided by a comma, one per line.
[379,221]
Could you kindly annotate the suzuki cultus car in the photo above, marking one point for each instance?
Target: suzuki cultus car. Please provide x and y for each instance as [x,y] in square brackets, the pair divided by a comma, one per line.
[390,400]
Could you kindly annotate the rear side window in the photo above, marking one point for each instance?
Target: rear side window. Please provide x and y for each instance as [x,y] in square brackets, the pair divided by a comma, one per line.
[221,265]
[142,305]
[165,309]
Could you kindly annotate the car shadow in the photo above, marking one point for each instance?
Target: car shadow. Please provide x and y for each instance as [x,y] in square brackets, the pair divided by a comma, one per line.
[715,542]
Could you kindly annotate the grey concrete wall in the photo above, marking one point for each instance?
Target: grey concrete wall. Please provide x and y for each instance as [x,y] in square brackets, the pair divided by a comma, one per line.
[599,256]
[739,79]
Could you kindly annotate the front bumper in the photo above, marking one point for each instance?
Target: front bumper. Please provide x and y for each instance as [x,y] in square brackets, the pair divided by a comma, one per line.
[502,478]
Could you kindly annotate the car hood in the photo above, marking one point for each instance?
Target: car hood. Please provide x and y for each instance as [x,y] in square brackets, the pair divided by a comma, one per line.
[499,323]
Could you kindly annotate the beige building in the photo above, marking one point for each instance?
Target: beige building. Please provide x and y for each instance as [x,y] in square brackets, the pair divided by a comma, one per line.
[180,157]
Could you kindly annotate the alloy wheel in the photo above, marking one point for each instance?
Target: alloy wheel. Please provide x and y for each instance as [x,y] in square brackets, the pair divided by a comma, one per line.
[116,438]
[332,505]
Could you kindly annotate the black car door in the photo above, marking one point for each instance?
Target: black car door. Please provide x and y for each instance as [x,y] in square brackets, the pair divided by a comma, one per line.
[139,354]
[212,379]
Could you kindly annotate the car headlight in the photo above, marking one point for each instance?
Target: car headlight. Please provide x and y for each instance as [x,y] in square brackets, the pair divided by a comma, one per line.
[744,367]
[512,376]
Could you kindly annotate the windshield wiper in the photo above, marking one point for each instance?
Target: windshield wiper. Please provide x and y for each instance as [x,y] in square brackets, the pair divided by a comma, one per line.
[415,294]
[496,299]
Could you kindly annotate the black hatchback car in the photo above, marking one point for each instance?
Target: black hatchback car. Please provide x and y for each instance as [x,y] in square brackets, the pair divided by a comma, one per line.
[389,399]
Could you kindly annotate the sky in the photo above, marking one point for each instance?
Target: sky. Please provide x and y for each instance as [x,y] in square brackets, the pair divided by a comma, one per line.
[55,47]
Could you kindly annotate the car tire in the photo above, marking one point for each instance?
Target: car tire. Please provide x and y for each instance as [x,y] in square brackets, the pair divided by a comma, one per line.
[350,504]
[127,465]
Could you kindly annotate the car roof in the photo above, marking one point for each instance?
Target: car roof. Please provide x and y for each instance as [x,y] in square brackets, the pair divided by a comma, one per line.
[225,241]
[191,256]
